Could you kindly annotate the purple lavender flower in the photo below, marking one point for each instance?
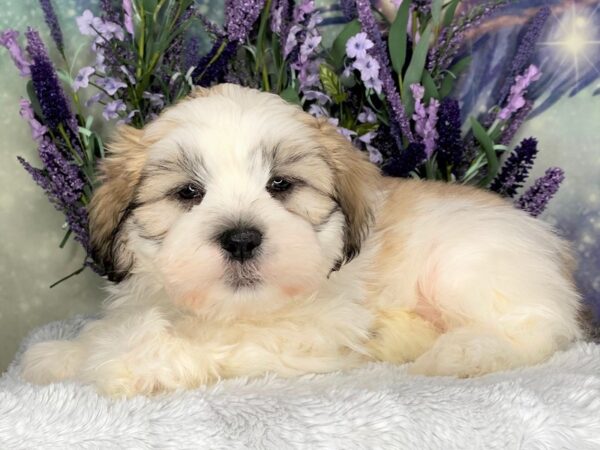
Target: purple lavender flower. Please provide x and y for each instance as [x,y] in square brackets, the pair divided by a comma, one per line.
[516,169]
[128,16]
[308,75]
[348,134]
[536,198]
[49,93]
[308,47]
[425,118]
[8,39]
[156,100]
[107,31]
[369,25]
[367,116]
[373,83]
[317,110]
[515,123]
[100,58]
[452,38]
[52,22]
[280,11]
[82,79]
[407,162]
[348,9]
[111,85]
[516,99]
[319,96]
[112,109]
[368,67]
[37,129]
[240,17]
[88,23]
[95,99]
[358,45]
[108,11]
[450,146]
[292,40]
[63,183]
[527,46]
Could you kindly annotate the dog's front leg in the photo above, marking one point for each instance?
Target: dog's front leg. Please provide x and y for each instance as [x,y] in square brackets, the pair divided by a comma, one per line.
[144,355]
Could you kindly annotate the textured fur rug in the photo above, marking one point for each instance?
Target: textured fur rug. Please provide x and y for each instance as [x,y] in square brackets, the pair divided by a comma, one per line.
[551,406]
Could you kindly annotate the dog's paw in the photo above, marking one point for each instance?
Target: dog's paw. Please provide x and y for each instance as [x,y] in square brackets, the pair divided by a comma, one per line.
[50,361]
[466,353]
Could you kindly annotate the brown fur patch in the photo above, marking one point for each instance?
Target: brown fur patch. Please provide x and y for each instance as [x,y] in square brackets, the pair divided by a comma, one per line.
[119,173]
[356,183]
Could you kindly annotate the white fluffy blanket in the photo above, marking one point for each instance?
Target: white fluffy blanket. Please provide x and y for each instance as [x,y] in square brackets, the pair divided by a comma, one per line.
[552,406]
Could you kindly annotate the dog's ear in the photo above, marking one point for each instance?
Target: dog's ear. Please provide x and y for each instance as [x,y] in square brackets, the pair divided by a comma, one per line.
[356,186]
[112,202]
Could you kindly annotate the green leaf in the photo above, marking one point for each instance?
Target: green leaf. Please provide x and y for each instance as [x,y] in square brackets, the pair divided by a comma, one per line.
[85,132]
[449,14]
[487,144]
[436,11]
[452,75]
[65,77]
[364,128]
[290,95]
[331,83]
[431,90]
[398,37]
[338,48]
[415,69]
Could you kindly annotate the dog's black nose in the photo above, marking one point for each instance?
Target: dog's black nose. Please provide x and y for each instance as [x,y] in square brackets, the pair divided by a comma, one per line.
[241,243]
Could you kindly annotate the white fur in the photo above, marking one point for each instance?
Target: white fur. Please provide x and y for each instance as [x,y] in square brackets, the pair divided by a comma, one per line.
[474,285]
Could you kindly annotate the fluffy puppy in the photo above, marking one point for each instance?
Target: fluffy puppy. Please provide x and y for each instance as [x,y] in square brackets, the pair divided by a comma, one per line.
[245,236]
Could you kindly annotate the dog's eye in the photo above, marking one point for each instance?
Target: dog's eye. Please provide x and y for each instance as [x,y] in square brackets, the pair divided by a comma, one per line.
[190,192]
[278,184]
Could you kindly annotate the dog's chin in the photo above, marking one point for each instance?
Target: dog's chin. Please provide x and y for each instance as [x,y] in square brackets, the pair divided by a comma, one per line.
[230,289]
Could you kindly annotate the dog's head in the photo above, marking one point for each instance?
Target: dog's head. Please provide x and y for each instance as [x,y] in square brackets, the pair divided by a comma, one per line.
[232,197]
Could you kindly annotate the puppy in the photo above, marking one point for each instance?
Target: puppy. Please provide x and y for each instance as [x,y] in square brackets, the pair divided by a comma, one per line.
[245,236]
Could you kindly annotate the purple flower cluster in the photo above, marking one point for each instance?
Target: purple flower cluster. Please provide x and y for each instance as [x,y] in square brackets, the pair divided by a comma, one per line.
[240,16]
[450,146]
[49,93]
[516,99]
[515,123]
[452,38]
[405,163]
[52,22]
[38,131]
[398,114]
[425,118]
[536,198]
[527,46]
[128,16]
[516,169]
[348,8]
[357,48]
[301,45]
[8,39]
[63,183]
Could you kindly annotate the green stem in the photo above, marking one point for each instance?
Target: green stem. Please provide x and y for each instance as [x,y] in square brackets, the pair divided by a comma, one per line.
[260,46]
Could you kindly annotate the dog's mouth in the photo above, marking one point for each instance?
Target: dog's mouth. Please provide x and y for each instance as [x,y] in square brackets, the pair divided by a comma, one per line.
[242,275]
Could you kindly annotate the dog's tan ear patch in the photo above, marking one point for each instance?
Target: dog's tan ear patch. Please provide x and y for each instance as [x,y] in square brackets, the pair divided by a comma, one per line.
[120,173]
[356,186]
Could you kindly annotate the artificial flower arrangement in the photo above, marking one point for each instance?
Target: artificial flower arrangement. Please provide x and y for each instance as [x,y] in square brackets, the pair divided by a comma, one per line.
[386,85]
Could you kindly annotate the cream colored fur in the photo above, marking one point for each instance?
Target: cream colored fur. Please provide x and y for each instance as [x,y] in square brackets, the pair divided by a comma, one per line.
[447,276]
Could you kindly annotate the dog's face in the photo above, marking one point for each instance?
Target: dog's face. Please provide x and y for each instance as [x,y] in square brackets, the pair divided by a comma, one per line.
[232,200]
